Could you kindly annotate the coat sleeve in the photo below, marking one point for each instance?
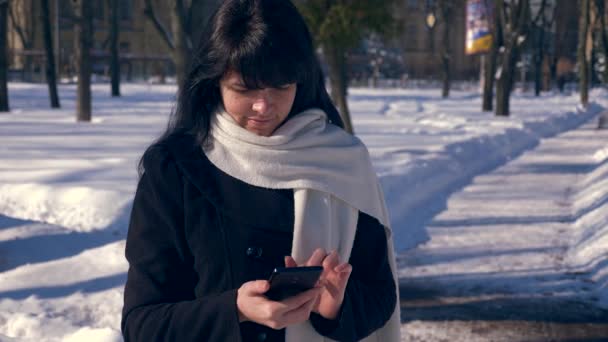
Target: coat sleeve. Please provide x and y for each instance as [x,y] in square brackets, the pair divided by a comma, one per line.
[159,300]
[370,296]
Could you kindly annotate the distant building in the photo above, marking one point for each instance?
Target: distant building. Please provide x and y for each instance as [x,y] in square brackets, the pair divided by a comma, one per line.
[413,53]
[566,40]
[566,29]
[415,47]
[420,45]
[142,51]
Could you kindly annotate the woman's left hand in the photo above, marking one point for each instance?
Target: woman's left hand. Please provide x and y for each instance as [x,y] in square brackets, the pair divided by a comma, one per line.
[333,279]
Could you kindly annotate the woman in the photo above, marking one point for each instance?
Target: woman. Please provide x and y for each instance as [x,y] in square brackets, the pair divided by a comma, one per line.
[255,172]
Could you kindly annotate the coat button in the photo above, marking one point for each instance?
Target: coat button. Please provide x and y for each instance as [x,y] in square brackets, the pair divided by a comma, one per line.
[254,252]
[262,337]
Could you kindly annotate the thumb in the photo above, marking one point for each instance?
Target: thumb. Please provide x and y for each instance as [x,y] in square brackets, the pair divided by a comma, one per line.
[290,262]
[256,287]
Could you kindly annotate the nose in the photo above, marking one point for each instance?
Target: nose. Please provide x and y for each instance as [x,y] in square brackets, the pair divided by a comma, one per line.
[262,102]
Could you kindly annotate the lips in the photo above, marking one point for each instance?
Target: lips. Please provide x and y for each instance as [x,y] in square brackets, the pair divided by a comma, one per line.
[262,125]
[260,120]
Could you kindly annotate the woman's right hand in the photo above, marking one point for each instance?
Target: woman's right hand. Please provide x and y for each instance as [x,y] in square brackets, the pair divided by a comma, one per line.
[253,306]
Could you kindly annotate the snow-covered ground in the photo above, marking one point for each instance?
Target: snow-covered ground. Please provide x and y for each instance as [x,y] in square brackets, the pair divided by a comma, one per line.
[66,187]
[524,243]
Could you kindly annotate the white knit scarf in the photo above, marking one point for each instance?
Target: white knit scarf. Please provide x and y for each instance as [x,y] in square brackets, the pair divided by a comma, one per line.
[332,177]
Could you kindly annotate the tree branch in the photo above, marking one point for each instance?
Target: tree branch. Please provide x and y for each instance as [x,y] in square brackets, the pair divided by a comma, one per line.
[522,20]
[20,32]
[540,14]
[188,18]
[548,23]
[75,19]
[106,42]
[183,10]
[164,33]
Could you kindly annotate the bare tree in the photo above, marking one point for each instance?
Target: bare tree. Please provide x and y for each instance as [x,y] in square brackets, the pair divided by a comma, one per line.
[584,55]
[51,71]
[84,42]
[179,39]
[490,61]
[512,17]
[4,107]
[600,6]
[542,22]
[339,25]
[114,54]
[446,9]
[26,30]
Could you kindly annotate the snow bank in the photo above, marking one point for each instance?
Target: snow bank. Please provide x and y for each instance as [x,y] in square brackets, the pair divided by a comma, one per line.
[588,254]
[78,208]
[431,178]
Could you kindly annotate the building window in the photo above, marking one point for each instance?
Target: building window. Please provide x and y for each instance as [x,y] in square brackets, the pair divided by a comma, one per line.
[66,13]
[98,10]
[126,9]
[65,6]
[124,47]
[411,37]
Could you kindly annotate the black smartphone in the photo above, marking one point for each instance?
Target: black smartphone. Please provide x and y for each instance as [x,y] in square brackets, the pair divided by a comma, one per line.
[289,281]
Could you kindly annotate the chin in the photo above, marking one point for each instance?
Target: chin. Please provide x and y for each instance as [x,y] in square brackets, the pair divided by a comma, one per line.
[261,132]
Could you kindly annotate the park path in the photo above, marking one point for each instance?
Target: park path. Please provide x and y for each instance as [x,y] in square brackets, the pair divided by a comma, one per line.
[497,266]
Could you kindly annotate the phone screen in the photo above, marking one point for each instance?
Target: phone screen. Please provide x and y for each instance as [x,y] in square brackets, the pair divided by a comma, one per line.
[289,281]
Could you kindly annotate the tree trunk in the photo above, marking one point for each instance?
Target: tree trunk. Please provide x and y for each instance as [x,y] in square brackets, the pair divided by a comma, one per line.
[84,42]
[602,11]
[51,73]
[445,53]
[522,75]
[504,85]
[178,39]
[445,92]
[505,82]
[539,56]
[512,29]
[181,52]
[605,41]
[25,33]
[114,56]
[490,68]
[4,107]
[489,78]
[336,61]
[582,52]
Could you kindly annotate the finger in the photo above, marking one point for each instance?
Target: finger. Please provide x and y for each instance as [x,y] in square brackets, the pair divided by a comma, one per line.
[331,261]
[317,257]
[300,313]
[256,287]
[299,299]
[290,262]
[343,268]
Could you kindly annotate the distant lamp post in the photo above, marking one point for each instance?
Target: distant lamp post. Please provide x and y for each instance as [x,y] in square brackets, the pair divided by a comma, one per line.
[431,20]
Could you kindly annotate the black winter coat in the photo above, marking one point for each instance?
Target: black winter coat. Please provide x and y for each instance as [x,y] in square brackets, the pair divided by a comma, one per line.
[196,234]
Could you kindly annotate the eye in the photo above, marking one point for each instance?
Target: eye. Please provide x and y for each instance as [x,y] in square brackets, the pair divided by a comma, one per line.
[285,87]
[240,89]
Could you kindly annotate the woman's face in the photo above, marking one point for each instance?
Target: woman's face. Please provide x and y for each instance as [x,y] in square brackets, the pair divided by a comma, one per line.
[260,111]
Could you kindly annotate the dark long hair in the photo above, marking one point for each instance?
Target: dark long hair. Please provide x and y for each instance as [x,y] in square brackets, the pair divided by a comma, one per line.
[268,43]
